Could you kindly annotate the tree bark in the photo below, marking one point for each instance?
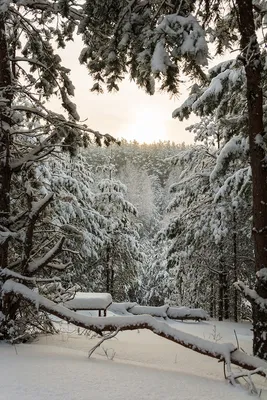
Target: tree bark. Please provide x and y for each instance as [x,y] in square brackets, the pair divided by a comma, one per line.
[5,124]
[211,300]
[253,68]
[108,271]
[235,267]
[221,297]
[226,296]
[112,281]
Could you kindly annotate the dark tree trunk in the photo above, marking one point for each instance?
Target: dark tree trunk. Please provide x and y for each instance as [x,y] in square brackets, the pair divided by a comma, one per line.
[235,300]
[221,284]
[226,296]
[112,282]
[107,280]
[221,297]
[5,171]
[211,300]
[5,124]
[253,68]
[109,272]
[215,315]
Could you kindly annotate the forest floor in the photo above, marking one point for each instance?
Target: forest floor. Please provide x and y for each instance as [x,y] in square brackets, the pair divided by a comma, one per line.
[133,365]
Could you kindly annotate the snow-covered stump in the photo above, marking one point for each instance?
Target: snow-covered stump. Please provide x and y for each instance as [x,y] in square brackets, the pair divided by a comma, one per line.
[224,352]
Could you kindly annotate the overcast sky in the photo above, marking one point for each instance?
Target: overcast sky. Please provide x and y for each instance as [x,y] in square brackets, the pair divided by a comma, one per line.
[130,113]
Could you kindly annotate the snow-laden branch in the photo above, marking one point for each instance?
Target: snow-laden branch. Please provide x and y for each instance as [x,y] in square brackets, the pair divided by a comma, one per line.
[59,266]
[225,351]
[35,209]
[39,206]
[59,122]
[40,151]
[7,274]
[6,234]
[251,295]
[46,5]
[41,262]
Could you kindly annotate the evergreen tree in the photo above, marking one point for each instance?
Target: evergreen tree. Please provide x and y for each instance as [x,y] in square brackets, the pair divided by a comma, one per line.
[121,254]
[30,74]
[149,40]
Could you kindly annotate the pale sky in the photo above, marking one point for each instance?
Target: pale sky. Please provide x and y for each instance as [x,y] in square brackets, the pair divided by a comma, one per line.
[130,113]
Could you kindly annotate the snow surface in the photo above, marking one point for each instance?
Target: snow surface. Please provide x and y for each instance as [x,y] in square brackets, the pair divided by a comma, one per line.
[144,367]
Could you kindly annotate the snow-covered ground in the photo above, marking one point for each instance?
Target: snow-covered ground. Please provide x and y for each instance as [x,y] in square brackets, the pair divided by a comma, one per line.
[134,365]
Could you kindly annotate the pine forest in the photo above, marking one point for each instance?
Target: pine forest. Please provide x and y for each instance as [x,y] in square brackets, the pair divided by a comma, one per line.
[168,233]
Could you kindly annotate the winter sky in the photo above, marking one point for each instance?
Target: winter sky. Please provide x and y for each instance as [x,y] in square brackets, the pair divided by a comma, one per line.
[130,113]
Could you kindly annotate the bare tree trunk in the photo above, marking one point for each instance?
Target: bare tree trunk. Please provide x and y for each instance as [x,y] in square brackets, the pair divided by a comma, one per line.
[253,68]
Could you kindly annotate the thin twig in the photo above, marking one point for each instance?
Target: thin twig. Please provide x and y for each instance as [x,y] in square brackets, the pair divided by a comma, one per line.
[110,336]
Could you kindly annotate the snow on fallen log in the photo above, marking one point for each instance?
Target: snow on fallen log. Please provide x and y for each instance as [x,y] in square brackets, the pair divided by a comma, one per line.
[121,308]
[221,351]
[153,311]
[187,313]
[181,313]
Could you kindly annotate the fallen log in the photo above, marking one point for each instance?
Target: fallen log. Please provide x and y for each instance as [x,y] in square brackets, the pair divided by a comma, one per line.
[222,351]
[176,313]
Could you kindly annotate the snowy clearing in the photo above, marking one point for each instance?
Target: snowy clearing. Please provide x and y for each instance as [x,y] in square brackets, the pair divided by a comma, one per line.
[144,366]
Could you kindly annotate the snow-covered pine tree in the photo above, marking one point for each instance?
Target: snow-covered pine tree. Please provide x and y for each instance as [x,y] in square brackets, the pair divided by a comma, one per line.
[121,254]
[145,170]
[221,103]
[141,194]
[71,180]
[148,189]
[152,40]
[158,39]
[30,73]
[206,232]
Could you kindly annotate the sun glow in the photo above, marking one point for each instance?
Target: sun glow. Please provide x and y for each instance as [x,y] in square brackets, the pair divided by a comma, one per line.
[147,126]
